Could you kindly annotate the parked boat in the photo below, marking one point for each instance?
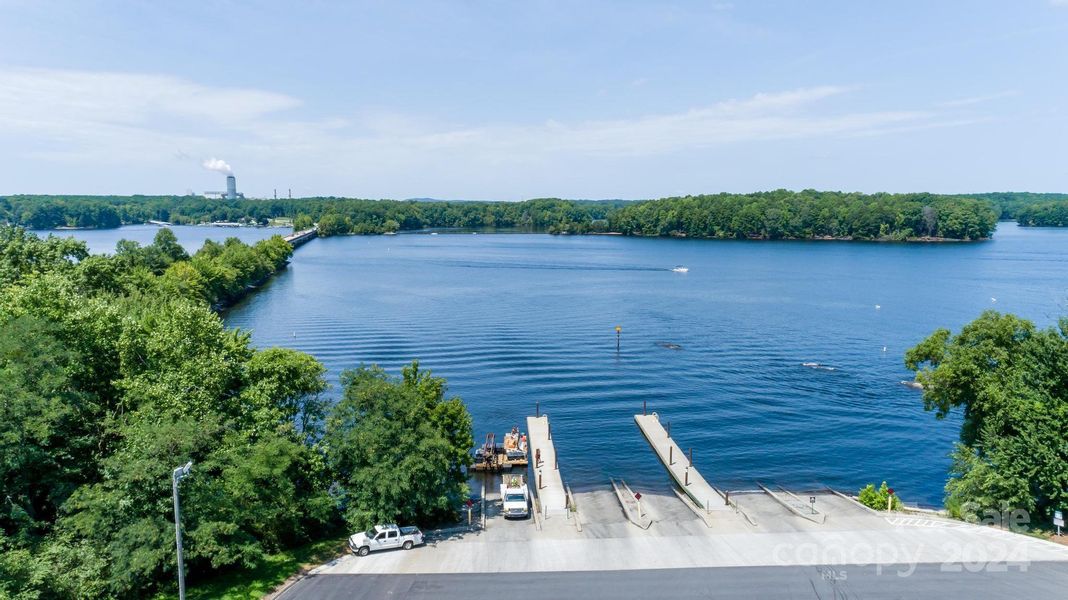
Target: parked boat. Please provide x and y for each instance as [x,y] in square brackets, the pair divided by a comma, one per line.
[491,456]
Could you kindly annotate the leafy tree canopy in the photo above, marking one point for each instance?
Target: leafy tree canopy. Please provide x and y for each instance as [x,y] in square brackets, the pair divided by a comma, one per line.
[1010,380]
[398,447]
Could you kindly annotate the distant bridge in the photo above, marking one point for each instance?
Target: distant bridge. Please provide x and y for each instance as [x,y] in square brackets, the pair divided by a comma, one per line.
[299,238]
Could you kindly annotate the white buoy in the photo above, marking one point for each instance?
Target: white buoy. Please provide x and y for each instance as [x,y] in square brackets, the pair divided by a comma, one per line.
[992,299]
[877,307]
[884,348]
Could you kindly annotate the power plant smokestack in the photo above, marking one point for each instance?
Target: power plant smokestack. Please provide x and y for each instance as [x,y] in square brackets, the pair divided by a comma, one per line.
[231,187]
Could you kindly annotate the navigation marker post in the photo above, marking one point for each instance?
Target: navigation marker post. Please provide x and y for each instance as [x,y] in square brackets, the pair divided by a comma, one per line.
[619,330]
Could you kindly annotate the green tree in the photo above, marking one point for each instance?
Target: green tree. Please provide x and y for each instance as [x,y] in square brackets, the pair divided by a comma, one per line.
[334,224]
[47,440]
[1009,379]
[397,448]
[111,374]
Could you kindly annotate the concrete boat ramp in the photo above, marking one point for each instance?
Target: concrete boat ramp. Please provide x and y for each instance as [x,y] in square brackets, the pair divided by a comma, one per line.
[602,530]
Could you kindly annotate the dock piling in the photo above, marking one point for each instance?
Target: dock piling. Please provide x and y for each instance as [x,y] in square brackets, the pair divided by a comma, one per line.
[537,408]
[644,411]
[671,455]
[687,476]
[691,456]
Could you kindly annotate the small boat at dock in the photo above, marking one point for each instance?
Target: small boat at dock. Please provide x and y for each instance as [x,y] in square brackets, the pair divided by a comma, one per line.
[493,457]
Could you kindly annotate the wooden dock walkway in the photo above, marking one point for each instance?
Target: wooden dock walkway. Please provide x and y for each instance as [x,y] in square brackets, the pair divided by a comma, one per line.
[546,480]
[689,480]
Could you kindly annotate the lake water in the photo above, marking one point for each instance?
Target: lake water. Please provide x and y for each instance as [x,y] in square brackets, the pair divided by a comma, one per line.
[515,319]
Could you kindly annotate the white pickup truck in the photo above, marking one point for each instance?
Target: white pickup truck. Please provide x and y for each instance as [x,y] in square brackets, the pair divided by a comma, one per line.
[383,537]
[515,498]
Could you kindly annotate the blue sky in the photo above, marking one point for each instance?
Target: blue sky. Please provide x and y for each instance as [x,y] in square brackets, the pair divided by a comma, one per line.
[513,100]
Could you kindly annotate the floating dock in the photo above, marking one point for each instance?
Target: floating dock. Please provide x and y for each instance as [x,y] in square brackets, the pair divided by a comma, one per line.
[493,457]
[689,480]
[546,479]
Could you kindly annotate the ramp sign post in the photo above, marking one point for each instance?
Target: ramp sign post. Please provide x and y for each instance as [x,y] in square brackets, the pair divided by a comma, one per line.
[1058,520]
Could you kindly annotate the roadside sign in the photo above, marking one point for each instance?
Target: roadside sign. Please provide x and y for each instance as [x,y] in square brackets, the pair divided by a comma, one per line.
[637,495]
[469,503]
[1058,520]
[890,491]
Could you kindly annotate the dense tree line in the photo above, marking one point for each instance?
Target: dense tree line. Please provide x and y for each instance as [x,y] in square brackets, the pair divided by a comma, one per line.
[1009,204]
[347,215]
[779,214]
[809,214]
[1010,381]
[114,370]
[1044,214]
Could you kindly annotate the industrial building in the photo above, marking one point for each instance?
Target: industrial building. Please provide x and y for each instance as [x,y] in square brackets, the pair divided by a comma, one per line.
[231,192]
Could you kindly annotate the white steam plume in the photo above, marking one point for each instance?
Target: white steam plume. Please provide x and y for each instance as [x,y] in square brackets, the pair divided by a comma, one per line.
[218,164]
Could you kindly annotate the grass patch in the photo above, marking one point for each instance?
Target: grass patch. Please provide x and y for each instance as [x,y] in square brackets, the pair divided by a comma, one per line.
[256,583]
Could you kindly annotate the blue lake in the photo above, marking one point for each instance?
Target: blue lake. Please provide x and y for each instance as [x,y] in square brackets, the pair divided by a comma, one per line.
[512,320]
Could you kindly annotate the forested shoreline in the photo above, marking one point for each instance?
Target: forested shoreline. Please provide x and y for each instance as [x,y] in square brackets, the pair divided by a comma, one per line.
[810,215]
[779,214]
[1044,214]
[114,370]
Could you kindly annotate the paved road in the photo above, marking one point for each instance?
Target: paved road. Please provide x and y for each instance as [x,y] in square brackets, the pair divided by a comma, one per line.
[1040,580]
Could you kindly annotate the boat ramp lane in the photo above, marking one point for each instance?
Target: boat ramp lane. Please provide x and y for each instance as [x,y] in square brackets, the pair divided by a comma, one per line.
[796,505]
[548,484]
[705,498]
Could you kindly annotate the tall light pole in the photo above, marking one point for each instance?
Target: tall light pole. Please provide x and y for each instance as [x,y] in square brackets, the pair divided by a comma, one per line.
[179,474]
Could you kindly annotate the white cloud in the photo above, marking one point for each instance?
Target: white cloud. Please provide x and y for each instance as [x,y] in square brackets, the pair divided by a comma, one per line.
[760,117]
[124,98]
[97,119]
